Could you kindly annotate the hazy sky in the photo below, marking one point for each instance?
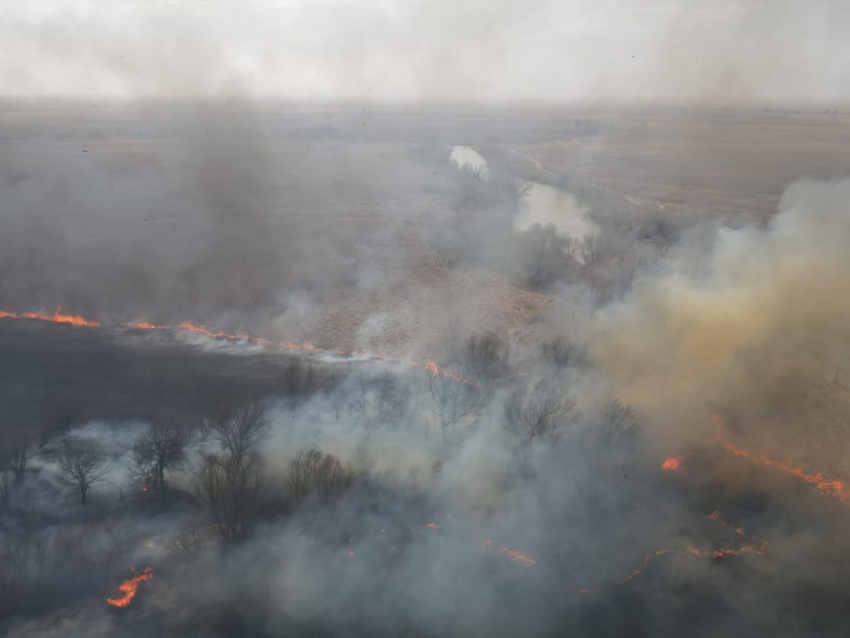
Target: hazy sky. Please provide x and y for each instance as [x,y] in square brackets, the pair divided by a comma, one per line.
[468,50]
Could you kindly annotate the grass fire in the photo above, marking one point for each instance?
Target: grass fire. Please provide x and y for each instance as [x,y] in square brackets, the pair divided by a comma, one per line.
[127,590]
[424,319]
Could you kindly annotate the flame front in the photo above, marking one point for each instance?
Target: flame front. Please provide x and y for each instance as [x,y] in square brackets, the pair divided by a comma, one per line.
[56,317]
[828,486]
[757,547]
[714,553]
[188,326]
[128,589]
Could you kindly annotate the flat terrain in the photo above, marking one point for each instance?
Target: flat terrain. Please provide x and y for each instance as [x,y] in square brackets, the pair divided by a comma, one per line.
[335,202]
[725,162]
[531,495]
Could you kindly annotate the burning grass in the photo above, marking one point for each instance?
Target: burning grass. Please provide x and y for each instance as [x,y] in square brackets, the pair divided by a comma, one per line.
[129,588]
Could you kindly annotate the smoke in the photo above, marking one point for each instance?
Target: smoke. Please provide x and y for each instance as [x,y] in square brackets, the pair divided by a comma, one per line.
[210,219]
[753,323]
[351,228]
[715,52]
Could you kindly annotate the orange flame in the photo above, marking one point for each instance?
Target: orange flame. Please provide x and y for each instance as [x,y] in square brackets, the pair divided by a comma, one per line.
[714,553]
[755,547]
[827,486]
[144,325]
[673,463]
[56,317]
[128,589]
[188,326]
[430,366]
[715,516]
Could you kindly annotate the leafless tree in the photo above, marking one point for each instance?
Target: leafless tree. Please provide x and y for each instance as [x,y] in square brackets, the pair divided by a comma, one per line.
[157,453]
[562,353]
[67,414]
[302,470]
[323,473]
[81,462]
[229,486]
[539,412]
[593,250]
[230,479]
[239,428]
[15,447]
[451,397]
[485,355]
[332,477]
[617,423]
[335,390]
[381,399]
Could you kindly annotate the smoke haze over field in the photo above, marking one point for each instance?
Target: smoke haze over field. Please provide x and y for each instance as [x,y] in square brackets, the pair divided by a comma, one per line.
[423,319]
[716,51]
[751,323]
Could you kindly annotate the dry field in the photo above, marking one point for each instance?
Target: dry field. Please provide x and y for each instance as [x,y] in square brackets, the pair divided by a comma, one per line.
[707,162]
[348,192]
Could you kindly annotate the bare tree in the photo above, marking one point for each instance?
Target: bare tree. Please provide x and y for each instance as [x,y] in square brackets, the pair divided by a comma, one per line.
[593,250]
[229,480]
[68,413]
[335,390]
[485,355]
[302,470]
[323,473]
[451,398]
[81,463]
[240,428]
[539,412]
[15,447]
[230,486]
[562,353]
[18,459]
[617,423]
[332,477]
[157,453]
[381,399]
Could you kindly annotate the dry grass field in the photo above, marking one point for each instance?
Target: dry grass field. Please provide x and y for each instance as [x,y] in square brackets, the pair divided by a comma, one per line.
[708,162]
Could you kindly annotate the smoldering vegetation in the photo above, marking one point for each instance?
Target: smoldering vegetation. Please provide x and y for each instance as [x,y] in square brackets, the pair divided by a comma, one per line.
[491,480]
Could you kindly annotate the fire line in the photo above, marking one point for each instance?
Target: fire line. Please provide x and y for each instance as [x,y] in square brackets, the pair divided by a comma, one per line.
[188,326]
[825,485]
